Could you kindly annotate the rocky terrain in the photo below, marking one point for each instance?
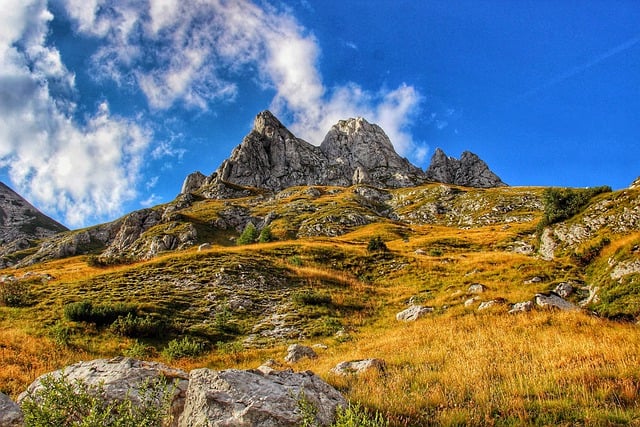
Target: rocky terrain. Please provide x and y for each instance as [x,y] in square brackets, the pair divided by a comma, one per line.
[21,224]
[373,274]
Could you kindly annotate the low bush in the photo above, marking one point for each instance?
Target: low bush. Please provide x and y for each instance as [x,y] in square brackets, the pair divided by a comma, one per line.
[355,415]
[15,293]
[100,315]
[310,297]
[136,327]
[61,402]
[249,235]
[185,347]
[376,244]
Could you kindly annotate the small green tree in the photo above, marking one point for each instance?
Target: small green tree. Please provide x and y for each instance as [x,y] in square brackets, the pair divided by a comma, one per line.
[376,244]
[265,235]
[249,234]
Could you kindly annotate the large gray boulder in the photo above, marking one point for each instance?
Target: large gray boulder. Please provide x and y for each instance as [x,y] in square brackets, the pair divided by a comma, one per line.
[356,367]
[123,378]
[10,413]
[414,312]
[553,300]
[296,352]
[253,398]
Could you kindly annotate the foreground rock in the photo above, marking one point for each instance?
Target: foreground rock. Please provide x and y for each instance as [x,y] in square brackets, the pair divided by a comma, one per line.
[251,398]
[553,300]
[295,352]
[414,312]
[122,378]
[10,413]
[359,366]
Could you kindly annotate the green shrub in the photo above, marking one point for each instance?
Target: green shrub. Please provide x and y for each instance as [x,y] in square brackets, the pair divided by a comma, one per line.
[137,350]
[265,235]
[136,327]
[15,293]
[223,323]
[586,256]
[186,347]
[355,415]
[61,402]
[563,203]
[249,234]
[101,315]
[60,334]
[376,244]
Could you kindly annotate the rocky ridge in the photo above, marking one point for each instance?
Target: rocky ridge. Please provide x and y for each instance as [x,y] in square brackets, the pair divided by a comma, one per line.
[21,224]
[469,171]
[354,151]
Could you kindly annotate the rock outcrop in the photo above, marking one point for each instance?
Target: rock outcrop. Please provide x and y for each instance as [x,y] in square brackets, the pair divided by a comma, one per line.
[122,378]
[271,157]
[469,171]
[263,397]
[21,224]
[252,398]
[10,413]
[354,151]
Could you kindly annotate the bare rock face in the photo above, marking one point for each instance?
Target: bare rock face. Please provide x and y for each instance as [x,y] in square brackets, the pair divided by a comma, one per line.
[252,398]
[469,171]
[270,157]
[21,224]
[10,413]
[361,153]
[635,185]
[122,378]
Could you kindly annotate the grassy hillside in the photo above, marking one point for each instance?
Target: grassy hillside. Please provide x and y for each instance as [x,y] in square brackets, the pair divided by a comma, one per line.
[236,306]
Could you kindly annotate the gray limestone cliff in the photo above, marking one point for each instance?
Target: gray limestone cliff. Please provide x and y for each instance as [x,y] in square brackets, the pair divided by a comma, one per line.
[469,171]
[21,224]
[354,151]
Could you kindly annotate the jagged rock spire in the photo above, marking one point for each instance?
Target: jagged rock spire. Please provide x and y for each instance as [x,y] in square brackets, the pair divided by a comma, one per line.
[469,171]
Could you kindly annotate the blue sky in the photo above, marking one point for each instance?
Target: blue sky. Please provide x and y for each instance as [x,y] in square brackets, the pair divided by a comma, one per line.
[106,106]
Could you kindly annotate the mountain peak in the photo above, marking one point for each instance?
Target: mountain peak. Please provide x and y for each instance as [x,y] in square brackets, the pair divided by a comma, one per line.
[469,171]
[354,151]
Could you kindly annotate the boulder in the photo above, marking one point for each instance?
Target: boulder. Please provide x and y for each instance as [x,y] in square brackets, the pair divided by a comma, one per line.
[359,366]
[564,289]
[414,313]
[122,378]
[295,352]
[521,307]
[10,413]
[470,302]
[553,300]
[476,288]
[252,398]
[487,304]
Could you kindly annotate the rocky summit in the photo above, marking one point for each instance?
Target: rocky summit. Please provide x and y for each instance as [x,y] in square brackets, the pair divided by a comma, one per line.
[469,171]
[354,151]
[21,224]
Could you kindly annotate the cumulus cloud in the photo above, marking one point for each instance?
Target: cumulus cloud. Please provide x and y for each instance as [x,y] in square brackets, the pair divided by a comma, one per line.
[193,53]
[80,171]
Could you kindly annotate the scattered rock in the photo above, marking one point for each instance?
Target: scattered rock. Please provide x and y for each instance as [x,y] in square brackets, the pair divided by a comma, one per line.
[521,307]
[533,280]
[487,304]
[593,296]
[204,246]
[251,398]
[414,313]
[295,352]
[553,300]
[470,301]
[121,378]
[476,288]
[420,252]
[359,366]
[564,289]
[10,413]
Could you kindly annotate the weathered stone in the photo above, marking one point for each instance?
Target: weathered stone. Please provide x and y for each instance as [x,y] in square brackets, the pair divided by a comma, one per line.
[564,289]
[469,171]
[592,297]
[10,413]
[252,398]
[553,300]
[476,288]
[295,352]
[359,366]
[487,304]
[521,307]
[470,302]
[122,378]
[414,313]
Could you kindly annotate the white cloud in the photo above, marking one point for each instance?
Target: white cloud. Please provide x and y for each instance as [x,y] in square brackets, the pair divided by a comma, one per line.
[193,54]
[79,171]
